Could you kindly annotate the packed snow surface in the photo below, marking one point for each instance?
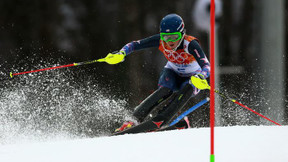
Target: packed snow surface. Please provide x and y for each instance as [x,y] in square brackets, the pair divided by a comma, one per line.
[232,144]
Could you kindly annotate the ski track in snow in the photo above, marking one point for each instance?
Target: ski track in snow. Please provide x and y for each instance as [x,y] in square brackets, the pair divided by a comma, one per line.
[232,144]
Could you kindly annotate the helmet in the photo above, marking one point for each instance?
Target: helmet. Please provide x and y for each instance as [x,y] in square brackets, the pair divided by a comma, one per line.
[172,23]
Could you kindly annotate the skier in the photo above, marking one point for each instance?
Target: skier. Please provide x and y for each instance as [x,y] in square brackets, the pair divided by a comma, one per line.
[185,59]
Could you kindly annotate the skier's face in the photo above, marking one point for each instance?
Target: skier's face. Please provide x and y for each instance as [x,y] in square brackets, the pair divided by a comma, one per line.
[172,39]
[173,45]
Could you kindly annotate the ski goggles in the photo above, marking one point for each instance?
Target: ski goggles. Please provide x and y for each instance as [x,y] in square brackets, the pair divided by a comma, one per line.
[171,37]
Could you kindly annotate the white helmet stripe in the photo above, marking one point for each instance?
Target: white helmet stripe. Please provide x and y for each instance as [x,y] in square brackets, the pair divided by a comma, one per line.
[181,26]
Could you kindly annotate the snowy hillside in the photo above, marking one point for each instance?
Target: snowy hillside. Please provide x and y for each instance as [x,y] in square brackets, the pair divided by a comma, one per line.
[233,144]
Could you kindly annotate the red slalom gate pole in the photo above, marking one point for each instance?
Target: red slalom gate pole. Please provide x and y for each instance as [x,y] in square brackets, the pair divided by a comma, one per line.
[212,77]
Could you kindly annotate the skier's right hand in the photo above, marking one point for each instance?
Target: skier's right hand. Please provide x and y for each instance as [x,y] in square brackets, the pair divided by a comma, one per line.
[114,58]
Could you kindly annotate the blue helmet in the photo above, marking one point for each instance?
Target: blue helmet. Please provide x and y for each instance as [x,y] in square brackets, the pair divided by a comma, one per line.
[172,23]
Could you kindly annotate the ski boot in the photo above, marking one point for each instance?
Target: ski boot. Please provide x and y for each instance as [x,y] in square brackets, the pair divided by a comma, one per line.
[183,124]
[125,125]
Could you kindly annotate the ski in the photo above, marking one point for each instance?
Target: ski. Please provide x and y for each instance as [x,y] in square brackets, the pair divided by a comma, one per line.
[157,123]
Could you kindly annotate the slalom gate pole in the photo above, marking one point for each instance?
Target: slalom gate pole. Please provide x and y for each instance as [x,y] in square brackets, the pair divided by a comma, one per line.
[55,67]
[212,78]
[189,111]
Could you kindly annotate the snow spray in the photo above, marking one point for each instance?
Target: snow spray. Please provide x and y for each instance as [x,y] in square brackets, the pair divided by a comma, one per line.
[52,105]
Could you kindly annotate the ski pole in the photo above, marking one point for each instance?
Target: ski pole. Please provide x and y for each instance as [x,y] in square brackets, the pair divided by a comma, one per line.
[51,68]
[189,111]
[111,58]
[203,84]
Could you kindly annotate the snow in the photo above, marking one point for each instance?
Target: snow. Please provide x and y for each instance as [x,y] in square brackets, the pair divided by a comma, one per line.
[233,144]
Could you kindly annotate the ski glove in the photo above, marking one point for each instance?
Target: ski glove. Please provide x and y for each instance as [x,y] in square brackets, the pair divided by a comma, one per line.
[199,82]
[114,57]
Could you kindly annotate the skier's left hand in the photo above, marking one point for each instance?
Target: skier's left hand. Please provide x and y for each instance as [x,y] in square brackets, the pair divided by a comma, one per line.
[199,81]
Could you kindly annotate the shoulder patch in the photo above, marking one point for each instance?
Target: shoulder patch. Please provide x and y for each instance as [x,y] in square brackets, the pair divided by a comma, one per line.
[189,38]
